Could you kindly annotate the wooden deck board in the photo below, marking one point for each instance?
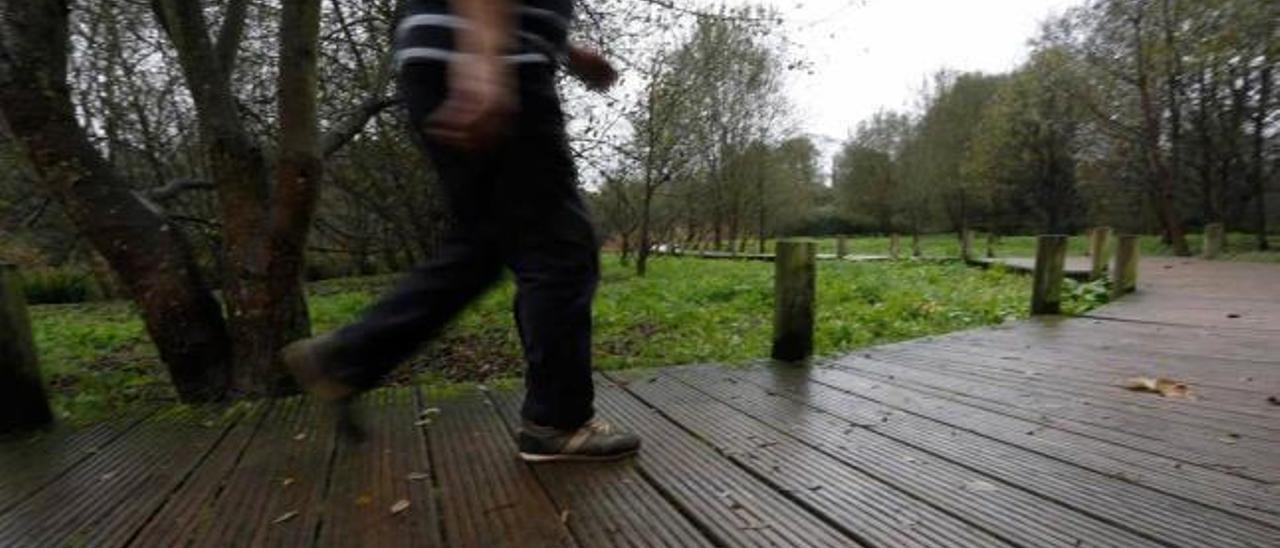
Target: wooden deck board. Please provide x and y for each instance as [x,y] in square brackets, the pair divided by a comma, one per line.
[608,503]
[1020,434]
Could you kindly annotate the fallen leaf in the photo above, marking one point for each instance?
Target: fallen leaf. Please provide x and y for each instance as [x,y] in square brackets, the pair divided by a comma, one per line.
[107,476]
[1230,439]
[301,436]
[419,476]
[1273,400]
[287,482]
[1233,316]
[285,517]
[979,486]
[400,506]
[364,500]
[430,412]
[564,517]
[423,422]
[1159,385]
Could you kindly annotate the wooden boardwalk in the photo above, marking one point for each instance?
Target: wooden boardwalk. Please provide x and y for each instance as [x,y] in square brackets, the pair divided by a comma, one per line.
[1019,435]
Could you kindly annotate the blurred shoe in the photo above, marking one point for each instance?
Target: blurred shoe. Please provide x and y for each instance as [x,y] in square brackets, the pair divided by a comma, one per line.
[309,361]
[596,440]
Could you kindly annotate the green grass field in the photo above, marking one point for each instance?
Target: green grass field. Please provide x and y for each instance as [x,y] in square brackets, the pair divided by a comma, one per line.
[98,359]
[1240,247]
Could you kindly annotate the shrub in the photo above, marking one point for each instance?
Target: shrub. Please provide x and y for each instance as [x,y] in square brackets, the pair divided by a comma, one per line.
[59,286]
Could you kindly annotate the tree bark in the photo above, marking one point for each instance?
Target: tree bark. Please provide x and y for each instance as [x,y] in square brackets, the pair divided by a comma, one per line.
[151,254]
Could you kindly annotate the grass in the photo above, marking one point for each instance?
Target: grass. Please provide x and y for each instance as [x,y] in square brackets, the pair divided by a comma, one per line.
[99,361]
[1240,246]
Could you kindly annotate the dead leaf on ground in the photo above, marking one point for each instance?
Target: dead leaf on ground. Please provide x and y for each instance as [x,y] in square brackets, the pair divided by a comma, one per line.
[430,412]
[301,436]
[419,476]
[400,506]
[287,482]
[422,422]
[1230,439]
[285,517]
[564,517]
[1273,400]
[1168,388]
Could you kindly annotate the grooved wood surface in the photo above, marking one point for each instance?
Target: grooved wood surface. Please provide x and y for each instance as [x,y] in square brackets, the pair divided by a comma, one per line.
[1015,435]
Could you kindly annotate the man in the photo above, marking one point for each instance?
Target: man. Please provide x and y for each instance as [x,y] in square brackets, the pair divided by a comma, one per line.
[478,78]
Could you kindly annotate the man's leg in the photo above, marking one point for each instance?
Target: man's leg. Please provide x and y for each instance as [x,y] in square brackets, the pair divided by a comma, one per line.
[414,312]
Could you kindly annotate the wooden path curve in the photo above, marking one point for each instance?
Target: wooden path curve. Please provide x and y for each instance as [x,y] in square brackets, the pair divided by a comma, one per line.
[1017,435]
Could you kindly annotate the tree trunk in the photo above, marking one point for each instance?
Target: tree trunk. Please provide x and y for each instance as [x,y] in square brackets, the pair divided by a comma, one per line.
[1259,158]
[151,255]
[642,254]
[1164,189]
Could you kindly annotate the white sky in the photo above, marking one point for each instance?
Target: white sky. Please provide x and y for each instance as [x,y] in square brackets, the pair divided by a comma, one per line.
[874,54]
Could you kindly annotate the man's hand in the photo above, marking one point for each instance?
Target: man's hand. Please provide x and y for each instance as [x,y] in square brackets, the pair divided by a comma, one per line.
[481,86]
[591,68]
[481,100]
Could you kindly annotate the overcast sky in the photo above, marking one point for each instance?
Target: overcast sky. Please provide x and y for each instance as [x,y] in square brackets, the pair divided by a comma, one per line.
[877,53]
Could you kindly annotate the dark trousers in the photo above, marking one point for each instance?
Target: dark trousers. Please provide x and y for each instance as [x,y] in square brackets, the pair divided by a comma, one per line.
[516,205]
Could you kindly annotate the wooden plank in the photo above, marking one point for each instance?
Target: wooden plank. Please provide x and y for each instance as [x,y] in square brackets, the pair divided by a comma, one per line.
[1232,494]
[608,503]
[859,504]
[991,502]
[275,493]
[368,479]
[1166,519]
[29,463]
[488,497]
[105,499]
[1081,375]
[1069,415]
[1110,396]
[728,503]
[187,509]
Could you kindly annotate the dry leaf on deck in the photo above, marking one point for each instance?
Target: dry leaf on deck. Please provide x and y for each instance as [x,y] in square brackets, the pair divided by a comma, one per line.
[301,436]
[419,476]
[400,506]
[1159,385]
[286,516]
[287,482]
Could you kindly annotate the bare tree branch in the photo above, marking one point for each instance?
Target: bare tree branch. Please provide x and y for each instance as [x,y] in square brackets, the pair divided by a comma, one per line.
[354,123]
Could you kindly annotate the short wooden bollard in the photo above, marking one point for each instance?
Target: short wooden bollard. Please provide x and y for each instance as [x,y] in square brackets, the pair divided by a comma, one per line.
[1124,267]
[1098,251]
[1046,291]
[842,247]
[23,404]
[1214,238]
[966,245]
[794,279]
[916,251]
[895,246]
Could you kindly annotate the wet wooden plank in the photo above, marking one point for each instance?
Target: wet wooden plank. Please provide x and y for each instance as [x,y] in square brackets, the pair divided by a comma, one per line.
[28,463]
[1106,393]
[186,510]
[858,503]
[1155,516]
[609,503]
[489,498]
[731,505]
[368,479]
[1232,494]
[276,492]
[1249,456]
[108,497]
[989,502]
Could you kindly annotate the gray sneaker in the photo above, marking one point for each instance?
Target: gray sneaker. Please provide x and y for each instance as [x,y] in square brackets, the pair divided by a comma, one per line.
[594,441]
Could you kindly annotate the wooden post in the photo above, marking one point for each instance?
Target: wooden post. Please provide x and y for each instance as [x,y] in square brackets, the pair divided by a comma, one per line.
[23,405]
[1124,268]
[915,245]
[966,245]
[1097,251]
[842,247]
[1214,238]
[1046,289]
[1089,234]
[793,286]
[992,240]
[895,246]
